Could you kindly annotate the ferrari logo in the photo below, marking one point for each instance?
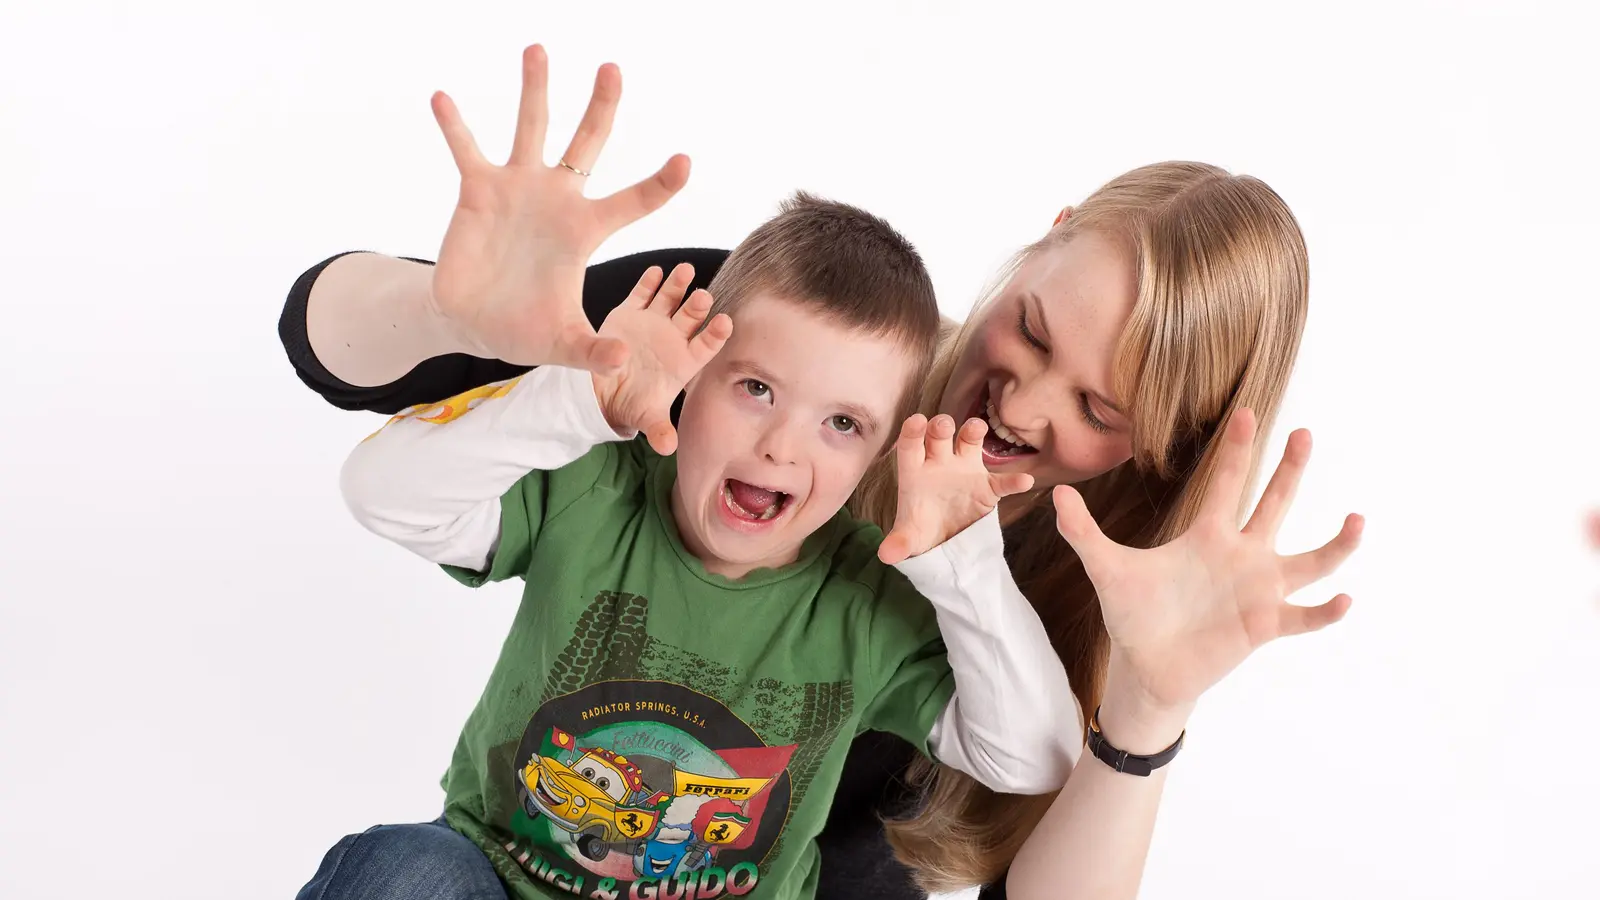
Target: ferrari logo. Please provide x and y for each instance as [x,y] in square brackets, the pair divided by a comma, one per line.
[725,828]
[635,822]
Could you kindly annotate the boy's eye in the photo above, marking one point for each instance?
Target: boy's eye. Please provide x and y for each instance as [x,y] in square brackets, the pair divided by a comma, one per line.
[755,388]
[843,424]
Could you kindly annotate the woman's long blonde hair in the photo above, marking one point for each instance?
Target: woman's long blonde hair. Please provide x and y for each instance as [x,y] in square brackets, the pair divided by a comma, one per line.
[1222,284]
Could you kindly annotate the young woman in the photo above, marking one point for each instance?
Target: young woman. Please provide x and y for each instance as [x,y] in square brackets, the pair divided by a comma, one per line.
[1137,352]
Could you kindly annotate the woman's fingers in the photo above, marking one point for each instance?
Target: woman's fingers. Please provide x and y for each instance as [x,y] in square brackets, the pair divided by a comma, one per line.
[1293,620]
[1221,502]
[1279,495]
[1077,527]
[533,114]
[1304,568]
[463,149]
[633,203]
[581,348]
[595,127]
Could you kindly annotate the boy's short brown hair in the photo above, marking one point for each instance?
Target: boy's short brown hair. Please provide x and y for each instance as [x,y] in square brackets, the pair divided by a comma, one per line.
[846,264]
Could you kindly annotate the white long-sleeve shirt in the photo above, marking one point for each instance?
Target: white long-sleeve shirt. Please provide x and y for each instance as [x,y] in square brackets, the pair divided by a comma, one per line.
[432,480]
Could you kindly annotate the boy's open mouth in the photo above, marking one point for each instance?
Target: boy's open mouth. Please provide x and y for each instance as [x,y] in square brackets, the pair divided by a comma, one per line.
[1000,445]
[751,503]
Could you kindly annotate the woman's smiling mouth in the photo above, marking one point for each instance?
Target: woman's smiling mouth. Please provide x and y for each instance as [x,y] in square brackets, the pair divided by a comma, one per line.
[1000,445]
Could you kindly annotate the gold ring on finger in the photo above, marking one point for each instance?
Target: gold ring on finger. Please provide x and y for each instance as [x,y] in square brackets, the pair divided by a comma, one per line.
[567,165]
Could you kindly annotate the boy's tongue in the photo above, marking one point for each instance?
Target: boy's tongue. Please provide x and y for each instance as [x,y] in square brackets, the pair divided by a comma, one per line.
[753,500]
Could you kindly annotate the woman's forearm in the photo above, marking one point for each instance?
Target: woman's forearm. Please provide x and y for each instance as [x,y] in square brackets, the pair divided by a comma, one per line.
[1092,843]
[369,319]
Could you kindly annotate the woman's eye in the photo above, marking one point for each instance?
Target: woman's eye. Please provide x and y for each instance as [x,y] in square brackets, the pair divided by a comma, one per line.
[1027,333]
[843,424]
[1089,416]
[755,388]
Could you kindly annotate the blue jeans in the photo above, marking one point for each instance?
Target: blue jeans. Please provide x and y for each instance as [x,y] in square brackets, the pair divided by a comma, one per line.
[426,861]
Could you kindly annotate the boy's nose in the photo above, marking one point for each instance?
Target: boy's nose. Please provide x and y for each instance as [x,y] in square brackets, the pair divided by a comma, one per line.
[778,444]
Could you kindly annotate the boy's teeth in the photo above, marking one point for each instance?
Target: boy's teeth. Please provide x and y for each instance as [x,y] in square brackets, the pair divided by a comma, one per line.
[1001,431]
[770,513]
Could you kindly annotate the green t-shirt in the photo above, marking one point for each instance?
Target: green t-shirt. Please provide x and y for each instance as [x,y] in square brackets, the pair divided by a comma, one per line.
[652,730]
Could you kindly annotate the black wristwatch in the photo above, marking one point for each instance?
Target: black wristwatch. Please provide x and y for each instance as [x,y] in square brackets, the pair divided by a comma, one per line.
[1122,760]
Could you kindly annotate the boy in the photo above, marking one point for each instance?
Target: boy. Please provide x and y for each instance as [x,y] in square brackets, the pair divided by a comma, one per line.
[704,633]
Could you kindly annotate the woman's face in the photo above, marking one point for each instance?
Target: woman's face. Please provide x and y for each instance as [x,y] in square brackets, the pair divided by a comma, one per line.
[1038,367]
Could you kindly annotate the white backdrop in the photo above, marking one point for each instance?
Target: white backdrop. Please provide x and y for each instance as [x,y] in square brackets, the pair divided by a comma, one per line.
[208,673]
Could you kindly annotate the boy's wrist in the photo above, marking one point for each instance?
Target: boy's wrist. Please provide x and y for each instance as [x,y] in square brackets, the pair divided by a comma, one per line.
[606,388]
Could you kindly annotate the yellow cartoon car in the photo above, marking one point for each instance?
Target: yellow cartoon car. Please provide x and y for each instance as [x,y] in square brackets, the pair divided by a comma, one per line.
[593,798]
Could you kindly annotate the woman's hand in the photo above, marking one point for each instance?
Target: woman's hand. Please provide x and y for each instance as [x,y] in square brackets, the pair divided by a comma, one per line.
[666,348]
[509,279]
[944,486]
[1183,615]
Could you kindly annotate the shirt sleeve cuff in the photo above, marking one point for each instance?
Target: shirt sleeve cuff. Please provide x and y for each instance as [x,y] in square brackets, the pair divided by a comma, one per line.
[970,553]
[568,397]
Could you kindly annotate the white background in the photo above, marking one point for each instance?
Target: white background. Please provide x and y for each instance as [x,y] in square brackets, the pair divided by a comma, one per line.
[208,673]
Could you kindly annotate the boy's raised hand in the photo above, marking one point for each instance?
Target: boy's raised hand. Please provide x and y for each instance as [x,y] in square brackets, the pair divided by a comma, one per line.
[944,487]
[509,280]
[659,328]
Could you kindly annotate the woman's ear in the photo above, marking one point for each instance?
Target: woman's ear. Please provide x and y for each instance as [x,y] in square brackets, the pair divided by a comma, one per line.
[1062,216]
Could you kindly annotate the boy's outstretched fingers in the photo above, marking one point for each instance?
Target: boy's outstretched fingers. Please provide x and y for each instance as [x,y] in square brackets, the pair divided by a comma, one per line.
[644,288]
[909,450]
[666,300]
[969,441]
[1010,483]
[662,436]
[941,429]
[709,341]
[692,312]
[894,549]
